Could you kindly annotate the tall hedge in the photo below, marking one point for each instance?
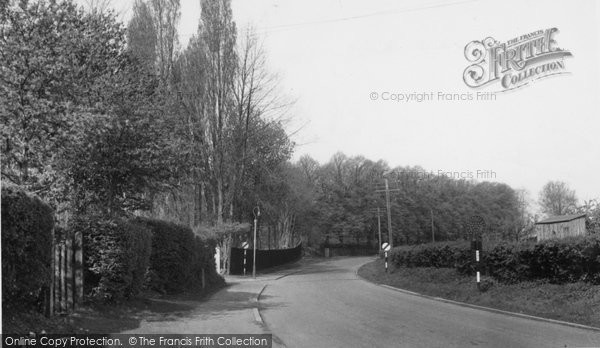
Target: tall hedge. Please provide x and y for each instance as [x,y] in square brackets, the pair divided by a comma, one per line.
[116,253]
[178,258]
[557,261]
[27,224]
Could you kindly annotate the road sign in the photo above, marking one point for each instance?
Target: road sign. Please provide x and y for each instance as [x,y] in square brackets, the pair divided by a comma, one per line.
[385,247]
[245,245]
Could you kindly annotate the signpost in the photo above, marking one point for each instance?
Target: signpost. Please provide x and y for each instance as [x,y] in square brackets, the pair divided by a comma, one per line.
[475,229]
[256,212]
[386,247]
[476,245]
[245,245]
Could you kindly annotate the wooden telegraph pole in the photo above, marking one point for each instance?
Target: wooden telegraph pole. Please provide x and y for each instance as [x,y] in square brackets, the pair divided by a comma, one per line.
[389,213]
[379,226]
[387,191]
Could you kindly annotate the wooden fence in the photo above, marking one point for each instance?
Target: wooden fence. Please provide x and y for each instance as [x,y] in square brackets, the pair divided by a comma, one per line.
[66,290]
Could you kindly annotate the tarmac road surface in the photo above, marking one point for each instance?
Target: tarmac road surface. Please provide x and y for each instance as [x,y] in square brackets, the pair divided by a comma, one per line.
[322,303]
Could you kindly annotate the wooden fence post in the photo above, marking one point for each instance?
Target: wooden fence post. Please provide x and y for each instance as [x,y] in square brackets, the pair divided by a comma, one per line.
[69,273]
[56,285]
[62,277]
[78,267]
[52,273]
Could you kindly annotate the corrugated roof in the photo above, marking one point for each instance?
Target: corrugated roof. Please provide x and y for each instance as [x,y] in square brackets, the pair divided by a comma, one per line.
[560,218]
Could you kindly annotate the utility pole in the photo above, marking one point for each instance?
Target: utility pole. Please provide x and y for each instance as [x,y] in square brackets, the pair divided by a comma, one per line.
[379,226]
[432,232]
[256,212]
[389,213]
[387,191]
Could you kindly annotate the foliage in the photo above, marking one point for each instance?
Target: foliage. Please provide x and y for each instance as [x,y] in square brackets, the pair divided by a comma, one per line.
[119,157]
[171,258]
[439,254]
[591,209]
[27,224]
[79,112]
[424,205]
[558,261]
[556,198]
[116,256]
[178,257]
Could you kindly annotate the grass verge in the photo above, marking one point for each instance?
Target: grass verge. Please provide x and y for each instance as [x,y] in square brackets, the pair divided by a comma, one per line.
[575,302]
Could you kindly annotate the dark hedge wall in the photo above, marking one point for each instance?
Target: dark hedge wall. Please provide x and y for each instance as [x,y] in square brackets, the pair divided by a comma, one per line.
[116,256]
[27,224]
[178,258]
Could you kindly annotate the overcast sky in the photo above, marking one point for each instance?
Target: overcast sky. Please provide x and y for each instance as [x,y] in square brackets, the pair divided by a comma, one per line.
[333,56]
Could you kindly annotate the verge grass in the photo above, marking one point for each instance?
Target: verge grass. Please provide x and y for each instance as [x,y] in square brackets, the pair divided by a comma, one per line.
[574,302]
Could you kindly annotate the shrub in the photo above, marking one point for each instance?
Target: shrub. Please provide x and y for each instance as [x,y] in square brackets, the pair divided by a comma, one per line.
[439,255]
[504,263]
[204,259]
[116,253]
[27,224]
[178,258]
[557,261]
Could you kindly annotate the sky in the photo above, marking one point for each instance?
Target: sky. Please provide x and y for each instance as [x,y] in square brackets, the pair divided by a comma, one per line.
[344,60]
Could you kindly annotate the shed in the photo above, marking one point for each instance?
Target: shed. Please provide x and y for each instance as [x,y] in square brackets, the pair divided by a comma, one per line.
[561,226]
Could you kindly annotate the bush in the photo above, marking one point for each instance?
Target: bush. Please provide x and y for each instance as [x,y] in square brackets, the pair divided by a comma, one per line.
[439,255]
[116,253]
[204,259]
[27,224]
[557,261]
[178,258]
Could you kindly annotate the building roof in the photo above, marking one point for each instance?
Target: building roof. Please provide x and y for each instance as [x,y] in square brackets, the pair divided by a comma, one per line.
[560,218]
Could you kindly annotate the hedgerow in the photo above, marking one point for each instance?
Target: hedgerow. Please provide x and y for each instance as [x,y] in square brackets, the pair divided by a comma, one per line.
[27,224]
[557,261]
[178,258]
[116,253]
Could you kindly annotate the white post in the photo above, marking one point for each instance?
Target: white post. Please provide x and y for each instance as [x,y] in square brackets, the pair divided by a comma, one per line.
[478,274]
[218,259]
[386,265]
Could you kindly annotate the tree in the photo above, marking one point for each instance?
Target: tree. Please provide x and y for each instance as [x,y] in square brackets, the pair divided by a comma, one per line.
[141,33]
[79,115]
[223,102]
[557,199]
[121,155]
[591,208]
[152,35]
[44,56]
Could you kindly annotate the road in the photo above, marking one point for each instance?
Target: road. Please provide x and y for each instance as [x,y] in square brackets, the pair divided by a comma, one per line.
[324,304]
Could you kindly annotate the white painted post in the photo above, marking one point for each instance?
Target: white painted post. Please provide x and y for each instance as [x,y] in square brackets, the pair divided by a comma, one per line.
[218,259]
[478,274]
[386,247]
[386,261]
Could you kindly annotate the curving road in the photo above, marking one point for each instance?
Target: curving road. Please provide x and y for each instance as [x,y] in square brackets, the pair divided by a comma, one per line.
[324,304]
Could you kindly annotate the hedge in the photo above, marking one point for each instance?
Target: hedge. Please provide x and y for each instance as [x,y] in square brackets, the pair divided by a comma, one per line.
[441,254]
[27,224]
[116,253]
[557,261]
[178,258]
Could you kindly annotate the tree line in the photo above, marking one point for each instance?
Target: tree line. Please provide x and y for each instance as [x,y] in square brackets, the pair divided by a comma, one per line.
[337,203]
